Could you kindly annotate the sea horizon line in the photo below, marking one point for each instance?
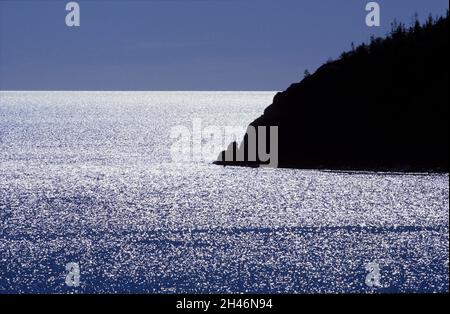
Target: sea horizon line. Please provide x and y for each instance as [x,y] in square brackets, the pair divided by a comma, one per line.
[148,91]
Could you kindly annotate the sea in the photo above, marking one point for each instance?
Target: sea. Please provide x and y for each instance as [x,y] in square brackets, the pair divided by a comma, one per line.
[92,200]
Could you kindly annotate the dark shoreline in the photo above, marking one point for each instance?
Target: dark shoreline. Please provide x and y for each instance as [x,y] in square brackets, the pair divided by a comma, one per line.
[380,171]
[382,107]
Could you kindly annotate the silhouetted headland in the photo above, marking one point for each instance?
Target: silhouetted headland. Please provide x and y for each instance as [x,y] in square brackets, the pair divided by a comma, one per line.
[382,106]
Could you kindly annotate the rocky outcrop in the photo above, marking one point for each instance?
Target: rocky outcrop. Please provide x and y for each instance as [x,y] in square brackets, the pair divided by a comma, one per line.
[382,106]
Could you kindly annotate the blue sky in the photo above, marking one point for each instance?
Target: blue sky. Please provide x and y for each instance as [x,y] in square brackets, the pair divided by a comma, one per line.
[184,44]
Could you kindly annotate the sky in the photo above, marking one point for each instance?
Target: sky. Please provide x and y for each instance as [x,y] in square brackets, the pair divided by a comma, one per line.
[183,44]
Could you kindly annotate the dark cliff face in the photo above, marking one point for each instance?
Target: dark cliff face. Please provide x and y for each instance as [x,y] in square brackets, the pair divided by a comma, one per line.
[383,106]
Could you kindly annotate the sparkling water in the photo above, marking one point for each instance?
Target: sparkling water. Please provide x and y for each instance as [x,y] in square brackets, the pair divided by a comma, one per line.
[87,180]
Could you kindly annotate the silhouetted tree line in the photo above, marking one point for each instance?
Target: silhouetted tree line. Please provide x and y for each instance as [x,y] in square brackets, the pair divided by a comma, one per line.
[399,35]
[381,106]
